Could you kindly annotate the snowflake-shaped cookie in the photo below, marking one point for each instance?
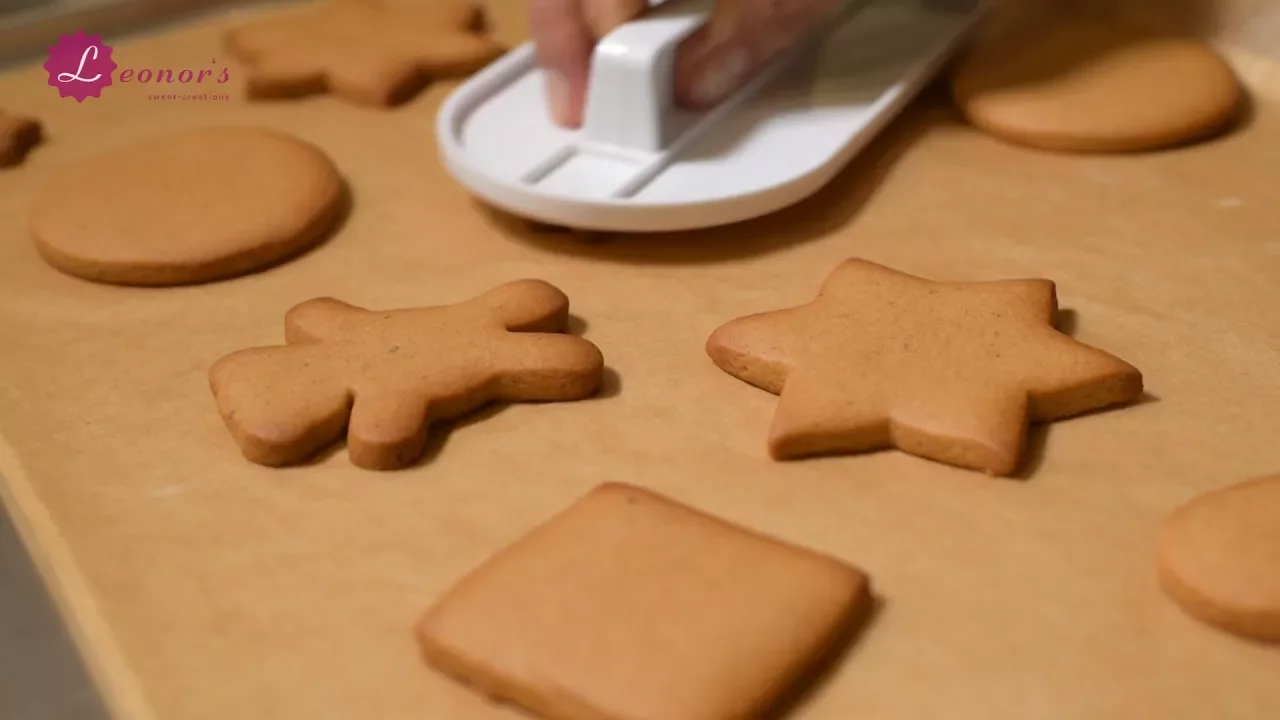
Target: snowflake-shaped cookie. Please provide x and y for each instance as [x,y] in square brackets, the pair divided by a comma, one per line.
[363,51]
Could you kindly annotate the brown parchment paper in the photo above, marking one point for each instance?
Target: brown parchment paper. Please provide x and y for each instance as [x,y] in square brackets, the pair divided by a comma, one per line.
[203,587]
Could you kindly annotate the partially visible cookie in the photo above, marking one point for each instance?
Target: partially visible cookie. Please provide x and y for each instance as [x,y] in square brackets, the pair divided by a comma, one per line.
[364,51]
[947,371]
[1088,85]
[448,15]
[18,134]
[631,606]
[1219,558]
[381,377]
[187,208]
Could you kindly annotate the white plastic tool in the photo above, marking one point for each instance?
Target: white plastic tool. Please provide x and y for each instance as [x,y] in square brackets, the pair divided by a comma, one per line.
[640,163]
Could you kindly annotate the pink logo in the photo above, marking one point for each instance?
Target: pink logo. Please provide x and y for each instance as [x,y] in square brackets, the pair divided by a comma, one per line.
[80,66]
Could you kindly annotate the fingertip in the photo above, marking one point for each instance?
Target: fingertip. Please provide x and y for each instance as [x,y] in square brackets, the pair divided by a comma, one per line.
[565,34]
[709,68]
[563,44]
[739,39]
[561,104]
[690,55]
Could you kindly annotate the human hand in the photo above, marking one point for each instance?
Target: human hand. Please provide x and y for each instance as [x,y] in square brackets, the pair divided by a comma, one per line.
[739,37]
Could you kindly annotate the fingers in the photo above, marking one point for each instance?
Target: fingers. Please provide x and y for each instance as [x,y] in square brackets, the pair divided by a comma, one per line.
[740,37]
[564,44]
[565,33]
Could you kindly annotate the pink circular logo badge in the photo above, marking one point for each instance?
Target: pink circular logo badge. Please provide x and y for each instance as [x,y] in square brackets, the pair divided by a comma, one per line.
[80,66]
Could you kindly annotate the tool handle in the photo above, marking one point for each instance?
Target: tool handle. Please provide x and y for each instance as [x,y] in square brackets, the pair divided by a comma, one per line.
[630,94]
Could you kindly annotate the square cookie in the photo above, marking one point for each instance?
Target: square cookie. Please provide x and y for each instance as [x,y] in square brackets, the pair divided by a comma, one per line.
[631,606]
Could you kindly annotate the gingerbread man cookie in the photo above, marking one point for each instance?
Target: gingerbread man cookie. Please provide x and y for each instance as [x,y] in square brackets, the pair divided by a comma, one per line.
[17,136]
[1219,558]
[363,51]
[384,376]
[947,371]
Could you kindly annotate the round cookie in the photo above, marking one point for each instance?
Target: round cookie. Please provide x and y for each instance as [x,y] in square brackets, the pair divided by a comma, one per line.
[199,206]
[1092,86]
[1219,558]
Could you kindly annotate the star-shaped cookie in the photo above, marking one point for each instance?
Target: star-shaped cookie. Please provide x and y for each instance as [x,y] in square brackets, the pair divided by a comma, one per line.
[364,51]
[384,376]
[952,372]
[17,136]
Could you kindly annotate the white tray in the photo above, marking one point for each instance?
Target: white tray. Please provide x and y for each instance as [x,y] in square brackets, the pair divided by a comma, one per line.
[641,164]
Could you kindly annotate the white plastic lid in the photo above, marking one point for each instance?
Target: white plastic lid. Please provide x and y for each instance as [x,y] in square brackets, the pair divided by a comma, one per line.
[640,163]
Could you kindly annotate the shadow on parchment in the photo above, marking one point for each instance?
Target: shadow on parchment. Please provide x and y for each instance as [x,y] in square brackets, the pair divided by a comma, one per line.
[1038,436]
[322,455]
[577,325]
[841,649]
[813,218]
[1065,322]
[1038,433]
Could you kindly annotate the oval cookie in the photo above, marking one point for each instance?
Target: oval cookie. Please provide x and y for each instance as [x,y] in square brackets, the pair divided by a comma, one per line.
[199,206]
[1085,86]
[1219,558]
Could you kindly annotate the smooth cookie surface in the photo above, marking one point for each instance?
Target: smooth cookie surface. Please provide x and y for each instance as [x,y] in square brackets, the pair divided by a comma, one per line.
[953,372]
[1094,86]
[194,207]
[1219,558]
[631,606]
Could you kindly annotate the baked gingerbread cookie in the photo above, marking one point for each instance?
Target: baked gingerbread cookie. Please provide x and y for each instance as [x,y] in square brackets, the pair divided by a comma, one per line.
[952,372]
[18,134]
[1219,558]
[364,51]
[383,376]
[631,606]
[1095,85]
[192,207]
